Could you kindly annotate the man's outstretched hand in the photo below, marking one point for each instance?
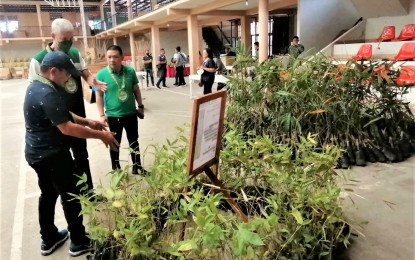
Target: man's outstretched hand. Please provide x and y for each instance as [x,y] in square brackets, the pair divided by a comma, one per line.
[97,125]
[109,140]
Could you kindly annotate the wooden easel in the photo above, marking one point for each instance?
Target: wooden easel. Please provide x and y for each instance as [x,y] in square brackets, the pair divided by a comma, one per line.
[214,100]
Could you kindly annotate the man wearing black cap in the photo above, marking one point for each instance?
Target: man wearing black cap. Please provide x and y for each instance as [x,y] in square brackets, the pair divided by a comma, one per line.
[62,33]
[49,123]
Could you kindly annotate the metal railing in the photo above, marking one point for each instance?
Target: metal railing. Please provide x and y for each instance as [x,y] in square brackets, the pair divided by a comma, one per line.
[350,35]
[34,31]
[138,8]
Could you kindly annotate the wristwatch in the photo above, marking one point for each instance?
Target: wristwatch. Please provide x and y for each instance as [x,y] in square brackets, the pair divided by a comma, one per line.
[141,106]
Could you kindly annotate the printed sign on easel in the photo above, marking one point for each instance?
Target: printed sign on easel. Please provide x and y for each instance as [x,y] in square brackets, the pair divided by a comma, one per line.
[206,141]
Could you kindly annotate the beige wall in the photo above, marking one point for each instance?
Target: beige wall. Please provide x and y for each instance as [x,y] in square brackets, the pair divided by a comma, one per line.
[25,49]
[374,26]
[170,40]
[29,22]
[319,22]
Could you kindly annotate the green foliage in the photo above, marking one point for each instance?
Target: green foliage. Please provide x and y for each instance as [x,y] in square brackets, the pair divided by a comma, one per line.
[347,105]
[293,205]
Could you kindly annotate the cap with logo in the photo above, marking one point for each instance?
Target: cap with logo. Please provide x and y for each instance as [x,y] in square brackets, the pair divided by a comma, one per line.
[60,60]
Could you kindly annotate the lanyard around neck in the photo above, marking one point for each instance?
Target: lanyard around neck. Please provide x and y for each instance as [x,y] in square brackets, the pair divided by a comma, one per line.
[45,81]
[116,82]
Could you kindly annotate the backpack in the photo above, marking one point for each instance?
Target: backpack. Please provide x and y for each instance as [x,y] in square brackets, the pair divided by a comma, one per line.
[184,57]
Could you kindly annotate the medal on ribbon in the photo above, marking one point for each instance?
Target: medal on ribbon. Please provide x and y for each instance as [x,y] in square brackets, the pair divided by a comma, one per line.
[70,86]
[122,95]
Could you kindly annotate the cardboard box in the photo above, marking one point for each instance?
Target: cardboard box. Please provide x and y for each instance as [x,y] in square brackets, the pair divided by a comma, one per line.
[5,73]
[228,60]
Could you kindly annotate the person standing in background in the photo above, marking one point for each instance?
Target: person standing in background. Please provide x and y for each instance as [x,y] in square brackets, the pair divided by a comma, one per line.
[256,48]
[162,68]
[180,60]
[62,36]
[209,69]
[229,52]
[148,67]
[220,70]
[120,105]
[296,48]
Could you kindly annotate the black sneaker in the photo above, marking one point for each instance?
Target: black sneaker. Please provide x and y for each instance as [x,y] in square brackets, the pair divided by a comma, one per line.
[175,84]
[77,250]
[158,86]
[165,86]
[139,171]
[47,248]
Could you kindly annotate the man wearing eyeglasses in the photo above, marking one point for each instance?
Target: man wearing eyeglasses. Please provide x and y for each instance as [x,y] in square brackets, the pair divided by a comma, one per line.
[49,128]
[62,35]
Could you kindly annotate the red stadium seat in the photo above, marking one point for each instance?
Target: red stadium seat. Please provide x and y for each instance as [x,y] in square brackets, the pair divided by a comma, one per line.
[364,53]
[407,33]
[406,76]
[387,34]
[407,52]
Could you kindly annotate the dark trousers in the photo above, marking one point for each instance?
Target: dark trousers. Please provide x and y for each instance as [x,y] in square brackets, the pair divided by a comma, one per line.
[207,86]
[79,147]
[80,154]
[162,76]
[56,177]
[149,72]
[130,124]
[180,75]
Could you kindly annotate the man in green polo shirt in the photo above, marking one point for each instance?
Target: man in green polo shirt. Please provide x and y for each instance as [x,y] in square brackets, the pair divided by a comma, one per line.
[120,105]
[148,67]
[62,35]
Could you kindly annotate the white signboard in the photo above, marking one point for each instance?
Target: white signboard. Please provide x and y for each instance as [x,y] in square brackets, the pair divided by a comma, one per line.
[207,132]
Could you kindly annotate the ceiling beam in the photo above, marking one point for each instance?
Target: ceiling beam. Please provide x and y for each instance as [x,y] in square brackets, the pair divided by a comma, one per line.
[121,31]
[273,6]
[168,19]
[224,13]
[213,6]
[143,24]
[215,20]
[175,11]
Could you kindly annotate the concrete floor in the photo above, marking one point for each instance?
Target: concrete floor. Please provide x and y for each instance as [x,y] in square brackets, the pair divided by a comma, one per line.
[384,195]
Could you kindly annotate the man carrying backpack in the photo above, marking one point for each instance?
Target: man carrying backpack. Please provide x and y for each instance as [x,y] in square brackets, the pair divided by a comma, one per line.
[180,60]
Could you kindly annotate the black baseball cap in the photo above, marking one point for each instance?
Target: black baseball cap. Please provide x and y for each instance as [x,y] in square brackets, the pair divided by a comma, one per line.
[60,60]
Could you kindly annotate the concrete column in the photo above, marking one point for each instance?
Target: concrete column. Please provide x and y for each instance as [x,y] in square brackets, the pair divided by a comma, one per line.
[246,38]
[263,30]
[193,42]
[201,41]
[130,10]
[114,40]
[114,20]
[133,54]
[101,11]
[153,4]
[39,20]
[155,44]
[84,21]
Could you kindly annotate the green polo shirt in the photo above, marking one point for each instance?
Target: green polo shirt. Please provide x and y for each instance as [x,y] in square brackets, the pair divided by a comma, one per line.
[114,107]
